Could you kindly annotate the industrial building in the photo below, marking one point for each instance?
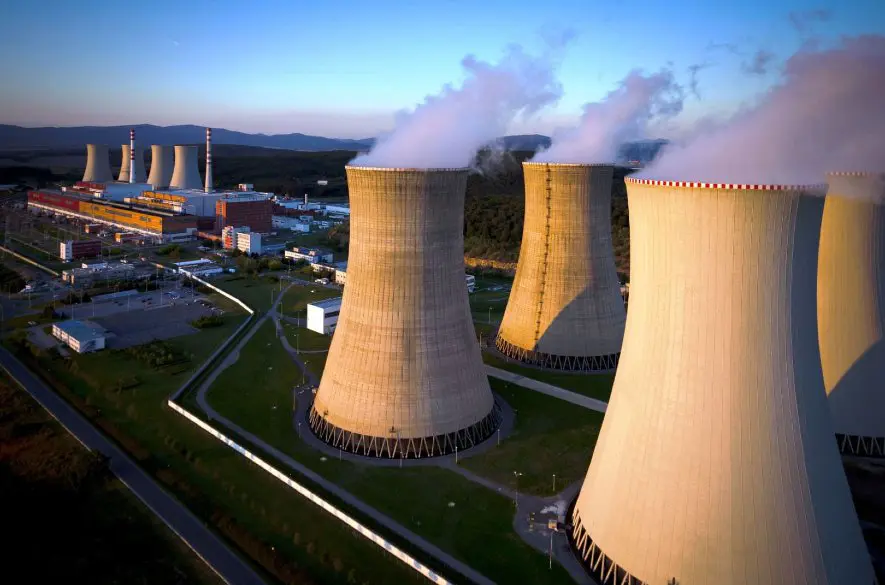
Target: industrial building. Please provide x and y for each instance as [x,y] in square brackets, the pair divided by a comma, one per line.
[404,375]
[311,255]
[185,173]
[851,310]
[229,236]
[81,336]
[76,249]
[162,162]
[98,165]
[341,274]
[245,209]
[249,242]
[322,316]
[471,283]
[565,310]
[716,461]
[201,268]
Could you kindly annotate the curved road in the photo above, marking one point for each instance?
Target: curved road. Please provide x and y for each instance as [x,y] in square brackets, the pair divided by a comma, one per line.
[188,527]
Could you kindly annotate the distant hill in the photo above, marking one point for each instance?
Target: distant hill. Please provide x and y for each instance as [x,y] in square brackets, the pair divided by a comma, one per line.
[18,137]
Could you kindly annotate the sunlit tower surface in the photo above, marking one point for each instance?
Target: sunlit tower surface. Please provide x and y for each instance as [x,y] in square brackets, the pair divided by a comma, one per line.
[162,162]
[851,310]
[716,462]
[565,309]
[404,375]
[127,161]
[186,174]
[98,166]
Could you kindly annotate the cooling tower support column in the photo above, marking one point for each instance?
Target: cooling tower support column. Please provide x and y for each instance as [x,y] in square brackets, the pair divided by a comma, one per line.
[716,461]
[851,310]
[186,174]
[404,376]
[161,166]
[98,167]
[565,309]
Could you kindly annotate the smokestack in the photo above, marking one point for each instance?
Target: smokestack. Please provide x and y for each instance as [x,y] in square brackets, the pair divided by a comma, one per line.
[126,161]
[98,167]
[208,160]
[132,171]
[565,309]
[851,310]
[161,166]
[305,201]
[404,375]
[186,175]
[717,453]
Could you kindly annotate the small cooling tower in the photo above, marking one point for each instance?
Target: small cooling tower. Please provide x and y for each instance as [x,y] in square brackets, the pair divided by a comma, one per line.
[140,174]
[565,309]
[851,310]
[186,174]
[404,375]
[716,462]
[161,166]
[98,167]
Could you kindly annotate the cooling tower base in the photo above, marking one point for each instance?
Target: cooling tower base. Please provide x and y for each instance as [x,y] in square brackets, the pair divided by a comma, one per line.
[602,568]
[567,363]
[413,448]
[861,446]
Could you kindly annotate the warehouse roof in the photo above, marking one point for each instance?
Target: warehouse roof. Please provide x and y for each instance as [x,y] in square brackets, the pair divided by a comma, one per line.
[81,330]
[328,303]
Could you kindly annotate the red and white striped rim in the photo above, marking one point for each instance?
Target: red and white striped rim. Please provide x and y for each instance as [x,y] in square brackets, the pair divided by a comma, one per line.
[559,164]
[855,174]
[733,186]
[406,169]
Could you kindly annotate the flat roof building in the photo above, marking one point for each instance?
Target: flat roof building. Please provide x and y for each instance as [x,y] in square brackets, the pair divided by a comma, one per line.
[322,316]
[81,336]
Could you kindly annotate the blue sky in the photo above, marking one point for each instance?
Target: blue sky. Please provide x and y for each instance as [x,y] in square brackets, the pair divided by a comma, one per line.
[343,67]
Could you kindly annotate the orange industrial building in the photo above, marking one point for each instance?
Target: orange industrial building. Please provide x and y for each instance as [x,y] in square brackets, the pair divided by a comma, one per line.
[256,212]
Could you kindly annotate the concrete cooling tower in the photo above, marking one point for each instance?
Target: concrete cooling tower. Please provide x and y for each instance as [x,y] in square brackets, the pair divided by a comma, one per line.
[716,462]
[404,375]
[161,166]
[98,166]
[186,174]
[140,174]
[565,309]
[851,310]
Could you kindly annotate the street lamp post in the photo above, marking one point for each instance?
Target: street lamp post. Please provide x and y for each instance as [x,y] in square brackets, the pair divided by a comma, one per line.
[554,483]
[490,315]
[516,474]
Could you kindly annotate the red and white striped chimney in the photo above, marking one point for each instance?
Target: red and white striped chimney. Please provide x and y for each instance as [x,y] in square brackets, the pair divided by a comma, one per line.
[132,155]
[208,160]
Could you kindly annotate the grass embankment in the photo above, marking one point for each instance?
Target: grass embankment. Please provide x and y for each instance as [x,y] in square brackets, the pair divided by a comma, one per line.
[257,292]
[597,386]
[478,530]
[289,537]
[488,303]
[67,519]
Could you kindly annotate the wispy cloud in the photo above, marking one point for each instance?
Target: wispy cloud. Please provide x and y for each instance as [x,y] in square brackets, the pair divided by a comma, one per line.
[759,63]
[805,19]
[693,71]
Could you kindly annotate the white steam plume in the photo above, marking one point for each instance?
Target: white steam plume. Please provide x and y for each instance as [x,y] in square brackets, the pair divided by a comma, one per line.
[448,129]
[621,116]
[828,114]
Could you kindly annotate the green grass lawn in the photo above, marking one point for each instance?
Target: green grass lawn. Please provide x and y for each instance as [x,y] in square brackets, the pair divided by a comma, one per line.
[479,528]
[307,340]
[550,436]
[213,480]
[295,299]
[259,292]
[597,386]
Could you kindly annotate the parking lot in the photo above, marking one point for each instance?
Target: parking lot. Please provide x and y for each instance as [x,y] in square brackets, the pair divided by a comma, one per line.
[154,322]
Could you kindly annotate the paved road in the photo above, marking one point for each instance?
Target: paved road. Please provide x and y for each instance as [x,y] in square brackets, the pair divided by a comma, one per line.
[188,527]
[548,389]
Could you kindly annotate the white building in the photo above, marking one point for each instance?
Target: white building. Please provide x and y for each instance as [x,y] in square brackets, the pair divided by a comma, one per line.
[341,273]
[81,336]
[339,208]
[322,316]
[229,236]
[201,270]
[471,282]
[290,223]
[312,255]
[249,242]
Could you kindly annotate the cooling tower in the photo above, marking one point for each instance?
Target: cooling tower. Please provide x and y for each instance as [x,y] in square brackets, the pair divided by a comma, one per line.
[404,375]
[565,309]
[98,167]
[161,166]
[186,174]
[851,310]
[140,174]
[716,462]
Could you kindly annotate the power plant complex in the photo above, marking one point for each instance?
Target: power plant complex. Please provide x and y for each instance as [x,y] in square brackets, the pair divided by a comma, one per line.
[565,309]
[404,375]
[851,310]
[716,461]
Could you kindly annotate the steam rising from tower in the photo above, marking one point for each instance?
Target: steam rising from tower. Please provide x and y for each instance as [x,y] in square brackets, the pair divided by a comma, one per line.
[565,309]
[208,160]
[98,166]
[186,174]
[161,166]
[404,376]
[717,453]
[851,310]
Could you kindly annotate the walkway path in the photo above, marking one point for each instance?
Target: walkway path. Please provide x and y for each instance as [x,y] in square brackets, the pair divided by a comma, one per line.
[176,516]
[548,389]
